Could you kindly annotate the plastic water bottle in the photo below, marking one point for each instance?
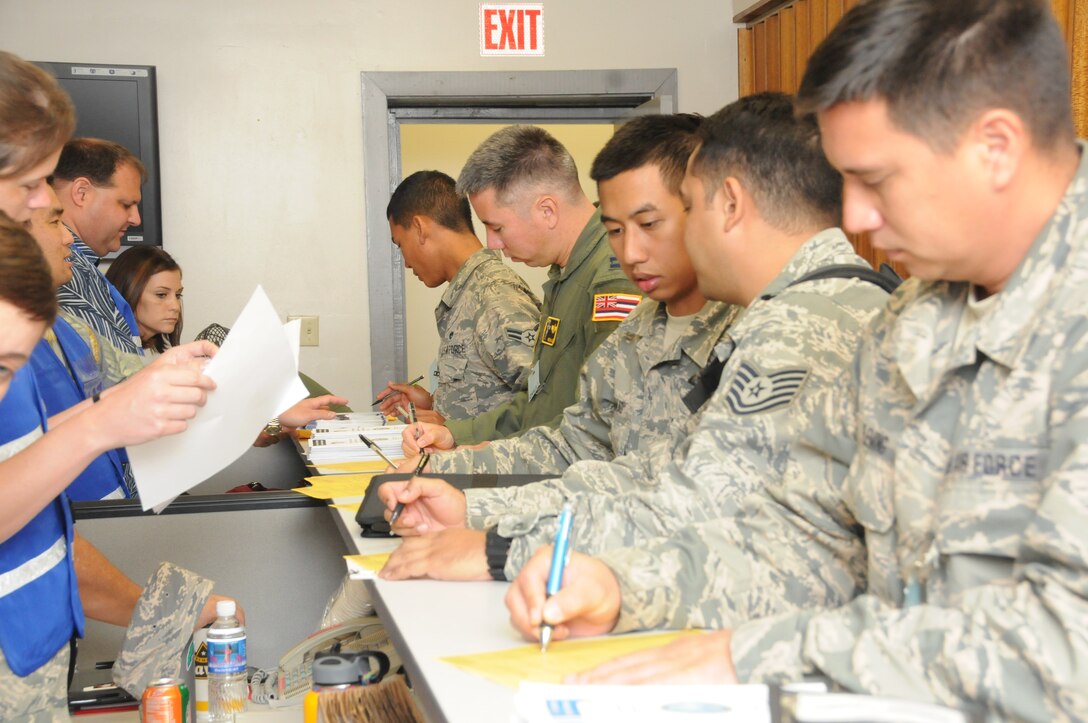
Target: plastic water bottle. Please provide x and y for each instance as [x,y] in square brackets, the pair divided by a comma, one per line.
[228,689]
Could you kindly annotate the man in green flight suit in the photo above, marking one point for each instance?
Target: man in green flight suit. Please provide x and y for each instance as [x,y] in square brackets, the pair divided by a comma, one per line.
[524,186]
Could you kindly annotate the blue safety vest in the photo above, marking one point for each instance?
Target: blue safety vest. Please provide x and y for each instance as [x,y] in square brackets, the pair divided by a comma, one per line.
[39,598]
[105,475]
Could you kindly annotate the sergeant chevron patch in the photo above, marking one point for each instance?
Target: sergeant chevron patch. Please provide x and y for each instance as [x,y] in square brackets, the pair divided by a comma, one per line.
[753,391]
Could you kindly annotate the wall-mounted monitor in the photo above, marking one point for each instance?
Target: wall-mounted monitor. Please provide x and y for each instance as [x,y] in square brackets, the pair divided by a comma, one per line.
[118,103]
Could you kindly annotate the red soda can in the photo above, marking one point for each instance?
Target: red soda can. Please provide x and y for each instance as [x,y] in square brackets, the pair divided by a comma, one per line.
[161,702]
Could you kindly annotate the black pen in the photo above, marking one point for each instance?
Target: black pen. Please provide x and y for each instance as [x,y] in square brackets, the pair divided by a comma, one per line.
[379,401]
[377,450]
[423,460]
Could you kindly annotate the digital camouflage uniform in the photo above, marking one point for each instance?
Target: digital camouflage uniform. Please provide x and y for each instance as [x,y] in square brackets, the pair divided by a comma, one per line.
[487,322]
[964,515]
[565,338]
[630,394]
[789,344]
[161,626]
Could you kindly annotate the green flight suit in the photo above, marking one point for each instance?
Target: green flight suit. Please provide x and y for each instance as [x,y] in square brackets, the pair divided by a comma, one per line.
[567,335]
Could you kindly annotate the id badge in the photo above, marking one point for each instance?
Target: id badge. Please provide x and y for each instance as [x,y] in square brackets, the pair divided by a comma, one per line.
[534,381]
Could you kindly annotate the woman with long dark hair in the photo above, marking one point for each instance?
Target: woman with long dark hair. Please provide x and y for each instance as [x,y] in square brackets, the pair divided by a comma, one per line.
[150,281]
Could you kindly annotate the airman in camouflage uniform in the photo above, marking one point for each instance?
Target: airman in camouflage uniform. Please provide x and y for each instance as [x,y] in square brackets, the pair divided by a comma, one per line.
[632,393]
[487,322]
[795,341]
[487,317]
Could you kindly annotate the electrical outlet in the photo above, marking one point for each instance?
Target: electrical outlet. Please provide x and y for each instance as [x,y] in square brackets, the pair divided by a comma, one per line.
[308,335]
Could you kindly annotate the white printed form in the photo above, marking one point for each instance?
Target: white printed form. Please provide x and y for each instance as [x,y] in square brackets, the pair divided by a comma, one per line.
[256,376]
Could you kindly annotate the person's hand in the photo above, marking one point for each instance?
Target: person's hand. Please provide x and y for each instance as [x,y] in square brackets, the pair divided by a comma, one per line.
[311,410]
[587,604]
[430,505]
[692,659]
[401,394]
[406,466]
[429,416]
[208,614]
[452,554]
[423,437]
[156,401]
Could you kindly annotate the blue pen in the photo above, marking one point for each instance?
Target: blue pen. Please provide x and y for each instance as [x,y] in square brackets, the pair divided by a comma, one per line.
[560,557]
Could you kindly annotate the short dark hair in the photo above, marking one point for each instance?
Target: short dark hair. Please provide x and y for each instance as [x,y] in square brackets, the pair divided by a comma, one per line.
[776,154]
[130,272]
[518,158]
[96,160]
[36,116]
[938,63]
[432,194]
[665,141]
[25,279]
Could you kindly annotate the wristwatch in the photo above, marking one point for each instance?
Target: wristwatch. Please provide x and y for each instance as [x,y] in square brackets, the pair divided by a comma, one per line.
[273,428]
[497,548]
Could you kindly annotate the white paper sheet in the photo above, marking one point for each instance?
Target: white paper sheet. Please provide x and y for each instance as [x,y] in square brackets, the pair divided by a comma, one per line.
[256,373]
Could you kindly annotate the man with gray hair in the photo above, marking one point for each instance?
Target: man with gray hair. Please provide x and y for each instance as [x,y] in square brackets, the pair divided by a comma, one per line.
[98,184]
[524,186]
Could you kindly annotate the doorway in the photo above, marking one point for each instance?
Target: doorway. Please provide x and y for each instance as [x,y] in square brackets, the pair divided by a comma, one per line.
[409,117]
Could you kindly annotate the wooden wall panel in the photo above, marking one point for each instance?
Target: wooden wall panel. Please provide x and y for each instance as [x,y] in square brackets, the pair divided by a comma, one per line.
[774,54]
[787,39]
[1079,53]
[746,63]
[817,23]
[802,39]
[759,40]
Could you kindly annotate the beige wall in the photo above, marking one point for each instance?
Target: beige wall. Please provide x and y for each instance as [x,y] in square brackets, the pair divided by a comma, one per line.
[445,147]
[260,128]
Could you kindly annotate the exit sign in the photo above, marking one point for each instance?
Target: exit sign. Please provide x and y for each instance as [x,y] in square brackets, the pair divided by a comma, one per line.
[511,29]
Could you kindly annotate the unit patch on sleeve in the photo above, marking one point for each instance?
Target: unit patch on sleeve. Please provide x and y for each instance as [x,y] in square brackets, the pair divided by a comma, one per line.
[520,336]
[614,307]
[753,391]
[551,331]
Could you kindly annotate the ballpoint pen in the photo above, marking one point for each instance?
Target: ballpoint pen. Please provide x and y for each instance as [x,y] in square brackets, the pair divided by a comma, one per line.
[560,557]
[414,381]
[423,460]
[377,450]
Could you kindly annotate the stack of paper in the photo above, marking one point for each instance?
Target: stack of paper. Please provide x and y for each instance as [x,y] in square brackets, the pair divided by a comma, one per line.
[345,444]
[351,424]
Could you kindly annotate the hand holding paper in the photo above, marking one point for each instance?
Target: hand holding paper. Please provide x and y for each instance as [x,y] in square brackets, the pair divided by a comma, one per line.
[256,377]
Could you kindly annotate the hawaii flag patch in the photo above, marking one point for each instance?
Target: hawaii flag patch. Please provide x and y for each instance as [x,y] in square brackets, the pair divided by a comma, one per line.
[614,307]
[753,391]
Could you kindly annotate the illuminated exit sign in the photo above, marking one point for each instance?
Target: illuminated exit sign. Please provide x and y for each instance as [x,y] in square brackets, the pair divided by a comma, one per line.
[511,29]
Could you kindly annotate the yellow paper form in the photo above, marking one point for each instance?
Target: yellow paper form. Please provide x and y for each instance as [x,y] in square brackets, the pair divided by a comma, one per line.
[366,566]
[526,663]
[341,485]
[336,468]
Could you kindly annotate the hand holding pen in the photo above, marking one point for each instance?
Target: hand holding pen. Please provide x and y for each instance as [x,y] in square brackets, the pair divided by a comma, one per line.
[395,394]
[560,558]
[423,460]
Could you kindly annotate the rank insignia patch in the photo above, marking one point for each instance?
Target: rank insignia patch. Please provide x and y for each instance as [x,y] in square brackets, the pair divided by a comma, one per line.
[614,307]
[551,331]
[753,391]
[613,263]
[526,337]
